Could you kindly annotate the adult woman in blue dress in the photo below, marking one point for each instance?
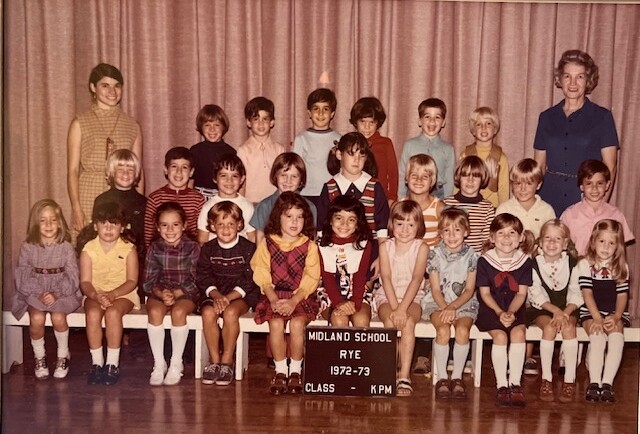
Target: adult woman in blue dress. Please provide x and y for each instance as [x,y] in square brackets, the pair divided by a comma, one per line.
[572,131]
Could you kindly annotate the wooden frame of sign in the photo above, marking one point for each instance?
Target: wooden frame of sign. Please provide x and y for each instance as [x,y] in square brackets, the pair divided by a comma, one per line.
[350,361]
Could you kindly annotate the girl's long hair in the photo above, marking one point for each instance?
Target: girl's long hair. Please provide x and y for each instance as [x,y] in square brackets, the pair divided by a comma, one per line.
[33,230]
[349,204]
[618,267]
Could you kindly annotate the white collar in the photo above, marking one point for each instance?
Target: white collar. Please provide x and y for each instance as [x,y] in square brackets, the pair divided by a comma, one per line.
[229,245]
[504,264]
[344,183]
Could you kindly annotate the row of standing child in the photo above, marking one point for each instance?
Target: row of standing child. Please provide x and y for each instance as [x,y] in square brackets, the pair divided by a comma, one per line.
[352,158]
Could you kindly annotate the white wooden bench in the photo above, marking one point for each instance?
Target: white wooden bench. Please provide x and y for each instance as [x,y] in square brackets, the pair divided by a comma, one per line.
[12,342]
[424,329]
[13,339]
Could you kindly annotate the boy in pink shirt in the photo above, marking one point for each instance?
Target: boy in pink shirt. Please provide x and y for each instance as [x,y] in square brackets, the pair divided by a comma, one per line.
[259,151]
[594,179]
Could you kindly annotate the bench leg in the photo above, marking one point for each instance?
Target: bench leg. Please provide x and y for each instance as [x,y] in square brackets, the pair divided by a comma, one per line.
[200,354]
[242,355]
[12,349]
[434,369]
[476,359]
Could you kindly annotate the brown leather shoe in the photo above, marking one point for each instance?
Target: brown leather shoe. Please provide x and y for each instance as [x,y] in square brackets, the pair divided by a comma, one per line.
[443,389]
[516,396]
[502,397]
[458,389]
[546,391]
[568,392]
[294,385]
[278,384]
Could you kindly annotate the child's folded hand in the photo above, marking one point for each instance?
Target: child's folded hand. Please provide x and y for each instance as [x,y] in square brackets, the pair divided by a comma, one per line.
[47,298]
[447,316]
[346,308]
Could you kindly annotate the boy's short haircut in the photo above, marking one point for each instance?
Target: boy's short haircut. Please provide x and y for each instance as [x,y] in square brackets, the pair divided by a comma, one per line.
[422,160]
[224,209]
[526,169]
[285,161]
[483,111]
[368,107]
[454,216]
[257,104]
[126,157]
[178,153]
[322,95]
[472,165]
[212,113]
[588,168]
[432,102]
[231,162]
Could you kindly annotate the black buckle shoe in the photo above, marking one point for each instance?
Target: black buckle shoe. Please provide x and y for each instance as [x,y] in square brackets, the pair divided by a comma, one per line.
[110,375]
[95,375]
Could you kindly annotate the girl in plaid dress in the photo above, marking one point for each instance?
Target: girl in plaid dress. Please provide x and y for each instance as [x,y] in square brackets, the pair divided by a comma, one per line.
[286,267]
[170,284]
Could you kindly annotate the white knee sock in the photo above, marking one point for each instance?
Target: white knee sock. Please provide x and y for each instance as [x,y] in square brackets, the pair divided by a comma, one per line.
[295,366]
[38,348]
[499,360]
[441,354]
[281,366]
[113,356]
[546,357]
[178,341]
[62,338]
[598,342]
[97,357]
[156,342]
[570,350]
[516,362]
[460,353]
[614,356]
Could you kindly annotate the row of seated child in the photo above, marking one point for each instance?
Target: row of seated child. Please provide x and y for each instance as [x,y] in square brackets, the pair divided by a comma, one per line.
[346,162]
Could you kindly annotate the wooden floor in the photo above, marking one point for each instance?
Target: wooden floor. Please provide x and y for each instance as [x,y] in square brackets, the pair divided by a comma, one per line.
[70,405]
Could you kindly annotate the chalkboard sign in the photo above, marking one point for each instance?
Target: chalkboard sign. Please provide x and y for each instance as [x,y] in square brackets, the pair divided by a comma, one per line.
[350,361]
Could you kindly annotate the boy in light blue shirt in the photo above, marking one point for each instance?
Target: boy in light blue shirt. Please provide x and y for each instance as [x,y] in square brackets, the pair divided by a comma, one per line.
[432,114]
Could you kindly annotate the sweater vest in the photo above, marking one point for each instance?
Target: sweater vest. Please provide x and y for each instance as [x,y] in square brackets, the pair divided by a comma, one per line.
[495,154]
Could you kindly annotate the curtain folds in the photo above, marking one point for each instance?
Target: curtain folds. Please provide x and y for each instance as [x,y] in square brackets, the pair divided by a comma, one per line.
[177,55]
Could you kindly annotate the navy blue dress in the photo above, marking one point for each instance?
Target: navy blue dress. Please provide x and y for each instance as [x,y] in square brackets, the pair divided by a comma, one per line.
[502,294]
[568,141]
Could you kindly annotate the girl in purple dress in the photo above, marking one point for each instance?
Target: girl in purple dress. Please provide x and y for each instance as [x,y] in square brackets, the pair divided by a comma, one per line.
[47,281]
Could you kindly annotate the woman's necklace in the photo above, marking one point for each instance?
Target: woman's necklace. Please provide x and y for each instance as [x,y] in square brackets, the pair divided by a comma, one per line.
[110,144]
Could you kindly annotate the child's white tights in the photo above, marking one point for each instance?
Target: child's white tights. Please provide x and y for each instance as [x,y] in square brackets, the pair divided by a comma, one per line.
[598,343]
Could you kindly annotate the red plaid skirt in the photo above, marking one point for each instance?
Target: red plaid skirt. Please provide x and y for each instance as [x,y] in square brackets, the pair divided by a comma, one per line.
[307,308]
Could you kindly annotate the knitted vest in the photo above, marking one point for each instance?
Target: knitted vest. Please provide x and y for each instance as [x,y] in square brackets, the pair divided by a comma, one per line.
[495,154]
[287,268]
[367,199]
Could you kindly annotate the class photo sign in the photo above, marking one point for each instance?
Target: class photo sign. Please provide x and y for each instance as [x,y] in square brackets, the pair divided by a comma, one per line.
[350,361]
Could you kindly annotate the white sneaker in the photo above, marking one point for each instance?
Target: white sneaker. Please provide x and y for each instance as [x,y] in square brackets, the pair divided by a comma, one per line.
[157,375]
[41,370]
[62,367]
[174,374]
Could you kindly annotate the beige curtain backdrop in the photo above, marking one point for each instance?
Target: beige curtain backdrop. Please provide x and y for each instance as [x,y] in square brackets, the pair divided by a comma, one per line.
[177,55]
